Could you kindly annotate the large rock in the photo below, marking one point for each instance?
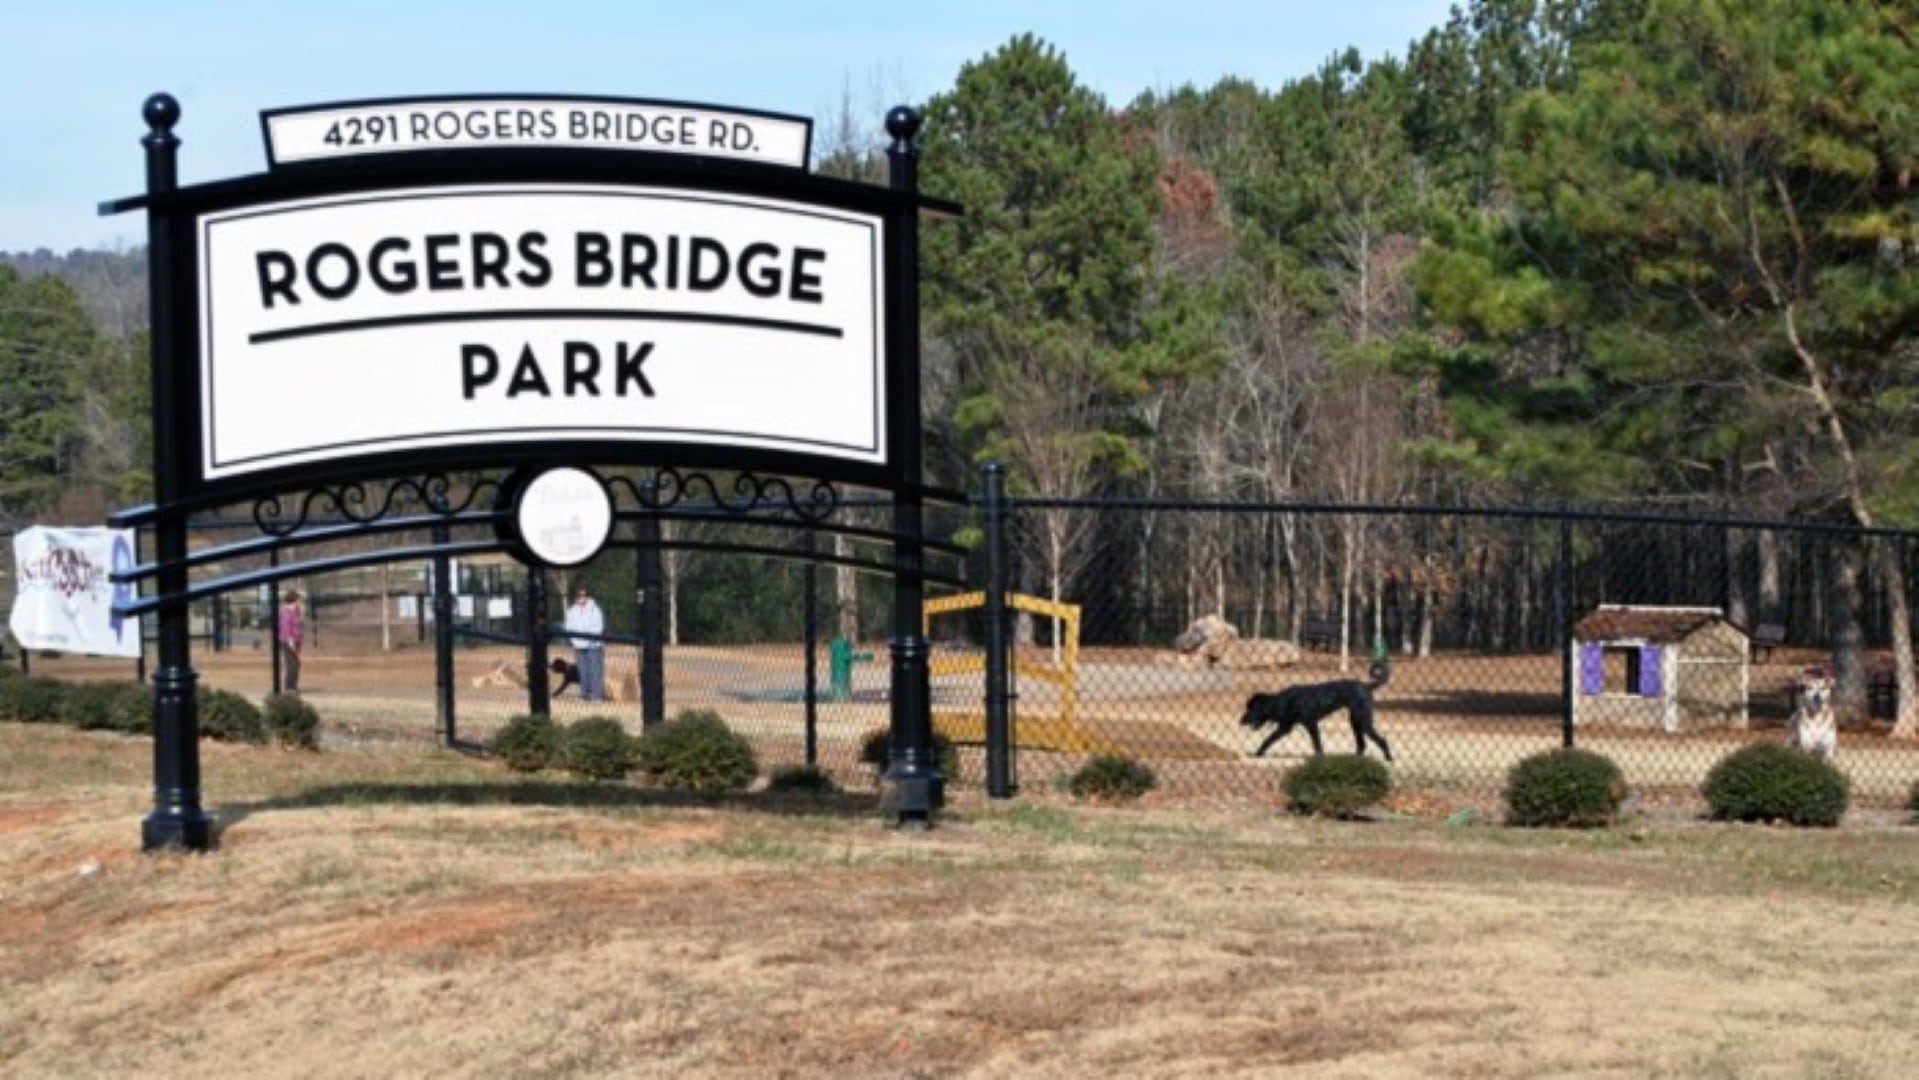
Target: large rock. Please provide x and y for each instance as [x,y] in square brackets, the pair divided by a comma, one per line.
[1216,643]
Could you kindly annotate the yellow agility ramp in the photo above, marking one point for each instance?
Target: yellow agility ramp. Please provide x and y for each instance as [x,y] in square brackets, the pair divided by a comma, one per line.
[1060,731]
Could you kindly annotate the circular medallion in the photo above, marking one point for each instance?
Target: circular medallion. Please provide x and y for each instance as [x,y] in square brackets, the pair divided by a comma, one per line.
[564,516]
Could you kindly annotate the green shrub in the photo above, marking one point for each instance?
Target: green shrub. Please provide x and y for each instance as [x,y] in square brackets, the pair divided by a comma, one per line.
[597,748]
[1573,788]
[292,722]
[123,707]
[1770,782]
[877,749]
[33,699]
[528,743]
[1112,778]
[696,751]
[228,717]
[802,780]
[1337,785]
[1912,801]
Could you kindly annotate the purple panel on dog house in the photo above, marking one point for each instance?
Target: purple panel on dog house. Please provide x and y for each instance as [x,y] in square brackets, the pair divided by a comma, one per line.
[1592,669]
[1650,670]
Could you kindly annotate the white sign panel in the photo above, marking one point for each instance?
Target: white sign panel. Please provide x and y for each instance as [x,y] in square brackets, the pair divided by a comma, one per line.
[64,600]
[433,317]
[385,127]
[564,516]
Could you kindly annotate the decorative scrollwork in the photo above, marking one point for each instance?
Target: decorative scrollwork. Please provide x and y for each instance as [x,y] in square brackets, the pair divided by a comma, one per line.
[434,493]
[813,501]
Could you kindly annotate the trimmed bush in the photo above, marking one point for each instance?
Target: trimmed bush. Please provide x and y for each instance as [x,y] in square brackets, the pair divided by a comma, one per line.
[33,699]
[1912,801]
[228,717]
[123,707]
[1568,788]
[1771,782]
[696,751]
[1112,778]
[1337,785]
[292,722]
[528,743]
[877,750]
[801,780]
[597,748]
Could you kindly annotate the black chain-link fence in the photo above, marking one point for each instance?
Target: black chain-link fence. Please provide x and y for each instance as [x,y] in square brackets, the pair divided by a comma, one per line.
[1479,637]
[1145,629]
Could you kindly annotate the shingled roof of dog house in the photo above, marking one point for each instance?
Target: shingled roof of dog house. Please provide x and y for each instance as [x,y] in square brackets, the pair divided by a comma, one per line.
[1671,668]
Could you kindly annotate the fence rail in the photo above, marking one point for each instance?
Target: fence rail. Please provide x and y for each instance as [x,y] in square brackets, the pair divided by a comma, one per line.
[1663,641]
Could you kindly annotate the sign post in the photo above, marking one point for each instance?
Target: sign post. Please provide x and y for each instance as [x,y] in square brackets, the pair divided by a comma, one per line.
[177,820]
[914,788]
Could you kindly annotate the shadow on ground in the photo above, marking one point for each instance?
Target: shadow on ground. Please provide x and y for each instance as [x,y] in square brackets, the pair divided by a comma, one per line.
[568,794]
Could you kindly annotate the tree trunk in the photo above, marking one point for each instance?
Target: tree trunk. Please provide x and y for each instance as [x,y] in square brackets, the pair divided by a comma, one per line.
[1848,635]
[1289,577]
[1738,601]
[1892,571]
[1348,567]
[1428,614]
[670,582]
[846,592]
[386,616]
[1769,591]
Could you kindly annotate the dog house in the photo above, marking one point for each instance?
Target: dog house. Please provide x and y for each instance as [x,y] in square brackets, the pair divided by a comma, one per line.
[1667,668]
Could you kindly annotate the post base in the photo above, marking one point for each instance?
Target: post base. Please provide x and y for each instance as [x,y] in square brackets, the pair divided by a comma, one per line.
[176,830]
[912,795]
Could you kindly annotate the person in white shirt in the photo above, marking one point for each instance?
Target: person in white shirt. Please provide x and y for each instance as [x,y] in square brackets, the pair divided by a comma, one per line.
[584,618]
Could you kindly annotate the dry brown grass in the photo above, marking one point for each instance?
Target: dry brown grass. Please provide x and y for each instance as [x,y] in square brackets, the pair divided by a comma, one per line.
[381,912]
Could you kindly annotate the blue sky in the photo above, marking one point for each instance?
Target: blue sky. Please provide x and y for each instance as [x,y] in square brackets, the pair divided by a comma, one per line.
[74,72]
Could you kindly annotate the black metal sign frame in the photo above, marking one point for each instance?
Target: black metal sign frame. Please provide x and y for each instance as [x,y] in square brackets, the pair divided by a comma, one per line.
[913,785]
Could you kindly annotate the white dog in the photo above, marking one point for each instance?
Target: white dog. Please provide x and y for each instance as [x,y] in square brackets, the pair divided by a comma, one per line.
[1813,727]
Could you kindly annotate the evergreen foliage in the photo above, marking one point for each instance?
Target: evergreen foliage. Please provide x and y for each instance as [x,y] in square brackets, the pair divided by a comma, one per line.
[292,722]
[228,717]
[1336,785]
[1770,782]
[32,699]
[696,751]
[123,707]
[1566,788]
[801,780]
[528,743]
[598,748]
[1112,779]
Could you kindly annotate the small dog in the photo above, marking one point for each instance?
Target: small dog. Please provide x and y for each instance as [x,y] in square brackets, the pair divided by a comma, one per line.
[1813,728]
[1306,705]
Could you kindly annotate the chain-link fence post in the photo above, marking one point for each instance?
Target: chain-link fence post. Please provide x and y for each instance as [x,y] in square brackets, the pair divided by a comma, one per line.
[1000,783]
[1562,622]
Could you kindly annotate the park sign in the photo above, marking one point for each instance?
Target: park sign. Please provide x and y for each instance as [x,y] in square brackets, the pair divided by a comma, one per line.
[351,129]
[457,283]
[395,320]
[552,299]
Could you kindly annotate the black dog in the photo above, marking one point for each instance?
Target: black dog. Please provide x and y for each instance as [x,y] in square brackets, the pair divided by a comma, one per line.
[1305,706]
[568,671]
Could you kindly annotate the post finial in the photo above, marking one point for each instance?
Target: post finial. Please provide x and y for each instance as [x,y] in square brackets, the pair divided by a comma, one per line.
[902,123]
[161,111]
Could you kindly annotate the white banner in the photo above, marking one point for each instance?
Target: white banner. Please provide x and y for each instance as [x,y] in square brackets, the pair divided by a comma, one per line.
[440,317]
[64,600]
[317,133]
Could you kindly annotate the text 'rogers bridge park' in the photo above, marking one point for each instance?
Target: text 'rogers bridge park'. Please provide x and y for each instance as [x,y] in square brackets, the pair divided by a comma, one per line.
[628,261]
[640,313]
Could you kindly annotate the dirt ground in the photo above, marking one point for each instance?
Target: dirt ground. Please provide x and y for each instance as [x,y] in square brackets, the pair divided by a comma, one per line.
[1457,722]
[382,909]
